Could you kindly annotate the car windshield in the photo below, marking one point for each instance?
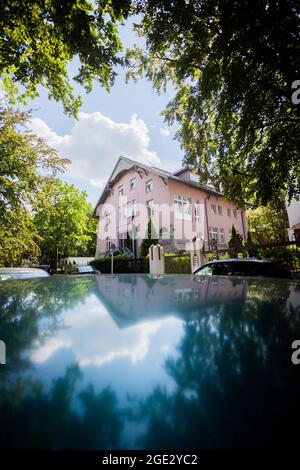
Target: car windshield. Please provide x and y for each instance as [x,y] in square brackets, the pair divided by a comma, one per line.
[116,359]
[85,269]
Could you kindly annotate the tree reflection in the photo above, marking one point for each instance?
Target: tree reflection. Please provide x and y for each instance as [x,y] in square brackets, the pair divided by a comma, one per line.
[30,311]
[235,383]
[34,418]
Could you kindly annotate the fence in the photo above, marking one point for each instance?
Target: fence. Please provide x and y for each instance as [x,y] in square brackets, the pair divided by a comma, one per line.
[287,253]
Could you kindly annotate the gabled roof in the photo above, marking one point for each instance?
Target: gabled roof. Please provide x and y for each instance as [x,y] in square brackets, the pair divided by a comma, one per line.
[125,164]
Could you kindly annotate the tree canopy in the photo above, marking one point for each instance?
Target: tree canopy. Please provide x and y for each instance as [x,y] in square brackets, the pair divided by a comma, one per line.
[39,38]
[24,159]
[63,221]
[233,65]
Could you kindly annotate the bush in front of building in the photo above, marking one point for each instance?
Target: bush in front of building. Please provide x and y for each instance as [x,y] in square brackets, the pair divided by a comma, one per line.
[121,264]
[177,264]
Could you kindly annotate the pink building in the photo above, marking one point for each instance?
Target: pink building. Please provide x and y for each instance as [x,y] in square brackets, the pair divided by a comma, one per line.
[181,209]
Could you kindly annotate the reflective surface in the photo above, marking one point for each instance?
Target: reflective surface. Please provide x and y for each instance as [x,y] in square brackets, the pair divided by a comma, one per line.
[131,361]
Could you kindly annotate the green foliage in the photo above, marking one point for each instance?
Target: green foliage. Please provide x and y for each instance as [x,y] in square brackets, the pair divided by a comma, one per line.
[39,39]
[23,157]
[150,238]
[232,65]
[177,265]
[62,217]
[270,223]
[236,241]
[122,264]
[251,245]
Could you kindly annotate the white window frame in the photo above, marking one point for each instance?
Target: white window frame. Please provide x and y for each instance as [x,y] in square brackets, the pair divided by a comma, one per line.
[150,207]
[120,191]
[229,211]
[197,211]
[108,218]
[213,209]
[213,234]
[149,186]
[183,207]
[130,209]
[222,236]
[220,210]
[132,183]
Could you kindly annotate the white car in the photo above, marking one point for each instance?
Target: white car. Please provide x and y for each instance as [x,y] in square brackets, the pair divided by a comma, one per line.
[22,273]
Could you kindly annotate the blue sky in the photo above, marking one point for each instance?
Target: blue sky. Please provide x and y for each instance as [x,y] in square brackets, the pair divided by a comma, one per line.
[124,121]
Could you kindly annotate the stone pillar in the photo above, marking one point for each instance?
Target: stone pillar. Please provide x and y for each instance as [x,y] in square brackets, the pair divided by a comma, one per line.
[156,260]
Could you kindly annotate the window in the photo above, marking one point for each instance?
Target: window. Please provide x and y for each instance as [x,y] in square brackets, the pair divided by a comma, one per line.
[183,207]
[108,218]
[149,186]
[220,212]
[150,207]
[197,211]
[213,209]
[229,212]
[130,209]
[234,214]
[120,191]
[132,184]
[213,233]
[222,236]
[120,212]
[108,243]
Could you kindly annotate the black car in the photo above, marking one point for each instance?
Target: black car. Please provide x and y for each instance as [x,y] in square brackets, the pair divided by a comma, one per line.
[245,267]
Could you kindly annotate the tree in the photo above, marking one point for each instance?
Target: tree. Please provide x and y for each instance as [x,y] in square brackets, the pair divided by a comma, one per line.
[251,245]
[233,65]
[23,159]
[236,241]
[149,239]
[269,223]
[40,38]
[62,218]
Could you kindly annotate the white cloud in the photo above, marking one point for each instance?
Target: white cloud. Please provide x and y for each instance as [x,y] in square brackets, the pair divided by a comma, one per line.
[95,143]
[132,343]
[164,132]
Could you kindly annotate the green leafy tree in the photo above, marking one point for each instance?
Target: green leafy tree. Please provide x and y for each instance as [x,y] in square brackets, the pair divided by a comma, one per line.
[269,223]
[149,239]
[62,217]
[23,159]
[232,65]
[40,38]
[236,241]
[251,245]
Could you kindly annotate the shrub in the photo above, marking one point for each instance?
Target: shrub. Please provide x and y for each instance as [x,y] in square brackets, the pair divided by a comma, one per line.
[177,265]
[122,264]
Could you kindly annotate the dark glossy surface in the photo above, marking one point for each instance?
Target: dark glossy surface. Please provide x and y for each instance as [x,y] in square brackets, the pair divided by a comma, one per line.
[129,361]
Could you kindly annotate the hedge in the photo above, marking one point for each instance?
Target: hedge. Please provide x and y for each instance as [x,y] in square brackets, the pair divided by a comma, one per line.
[122,264]
[177,265]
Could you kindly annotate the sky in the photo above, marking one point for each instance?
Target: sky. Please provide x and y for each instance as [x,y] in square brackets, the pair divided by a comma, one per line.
[126,121]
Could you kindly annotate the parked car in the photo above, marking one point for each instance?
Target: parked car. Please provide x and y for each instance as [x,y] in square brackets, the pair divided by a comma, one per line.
[85,269]
[245,267]
[22,273]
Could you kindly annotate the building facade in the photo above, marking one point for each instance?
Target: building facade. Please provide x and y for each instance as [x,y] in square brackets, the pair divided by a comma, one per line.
[293,210]
[181,210]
